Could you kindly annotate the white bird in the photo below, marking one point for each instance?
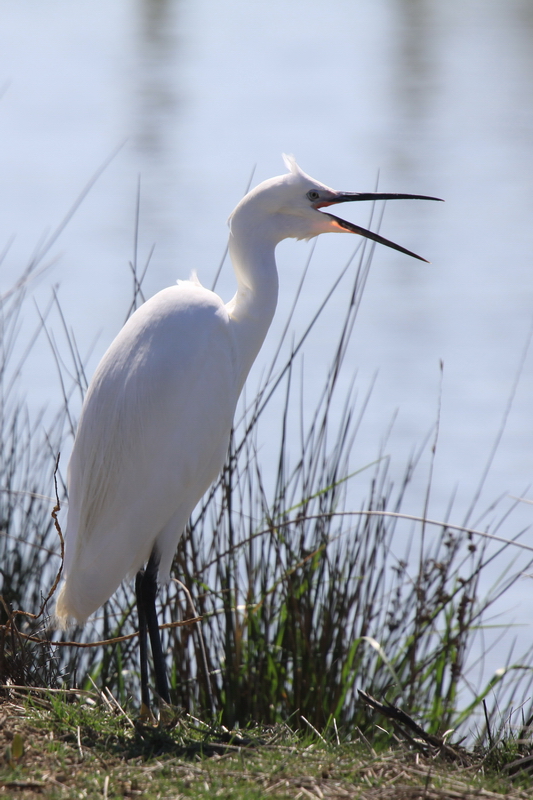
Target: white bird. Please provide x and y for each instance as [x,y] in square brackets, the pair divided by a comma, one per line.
[155,425]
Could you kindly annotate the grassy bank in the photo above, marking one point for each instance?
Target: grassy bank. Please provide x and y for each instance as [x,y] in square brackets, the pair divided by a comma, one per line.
[87,747]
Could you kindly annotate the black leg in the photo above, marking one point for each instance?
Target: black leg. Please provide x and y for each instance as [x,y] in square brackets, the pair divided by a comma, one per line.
[143,644]
[161,682]
[146,590]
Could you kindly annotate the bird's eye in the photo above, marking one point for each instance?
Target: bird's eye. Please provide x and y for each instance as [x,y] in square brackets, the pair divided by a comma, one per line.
[313,195]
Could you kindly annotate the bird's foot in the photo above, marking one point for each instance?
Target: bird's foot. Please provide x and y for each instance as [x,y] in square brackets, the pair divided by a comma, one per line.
[145,716]
[167,714]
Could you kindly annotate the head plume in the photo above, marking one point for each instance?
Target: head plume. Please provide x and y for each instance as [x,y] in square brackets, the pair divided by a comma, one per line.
[292,166]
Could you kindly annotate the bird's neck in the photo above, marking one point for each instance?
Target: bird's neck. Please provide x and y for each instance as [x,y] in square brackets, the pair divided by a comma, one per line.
[252,308]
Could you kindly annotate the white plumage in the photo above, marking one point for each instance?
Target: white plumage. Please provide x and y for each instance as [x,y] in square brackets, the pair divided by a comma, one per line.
[152,437]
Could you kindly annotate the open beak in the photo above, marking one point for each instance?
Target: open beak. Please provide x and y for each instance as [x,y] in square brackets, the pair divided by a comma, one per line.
[350,197]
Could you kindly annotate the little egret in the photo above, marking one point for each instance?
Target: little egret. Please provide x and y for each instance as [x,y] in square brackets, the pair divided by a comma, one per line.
[155,425]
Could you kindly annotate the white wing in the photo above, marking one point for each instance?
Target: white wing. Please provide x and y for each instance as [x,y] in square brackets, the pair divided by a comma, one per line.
[153,435]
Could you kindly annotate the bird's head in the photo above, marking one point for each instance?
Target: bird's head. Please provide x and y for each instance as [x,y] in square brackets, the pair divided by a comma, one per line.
[288,206]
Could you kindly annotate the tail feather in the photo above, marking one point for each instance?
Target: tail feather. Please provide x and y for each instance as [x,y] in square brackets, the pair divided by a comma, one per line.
[68,612]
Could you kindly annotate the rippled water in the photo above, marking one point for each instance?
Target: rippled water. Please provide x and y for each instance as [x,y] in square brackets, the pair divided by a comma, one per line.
[436,97]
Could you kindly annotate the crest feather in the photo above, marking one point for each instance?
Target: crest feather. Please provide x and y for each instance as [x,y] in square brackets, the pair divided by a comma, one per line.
[292,166]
